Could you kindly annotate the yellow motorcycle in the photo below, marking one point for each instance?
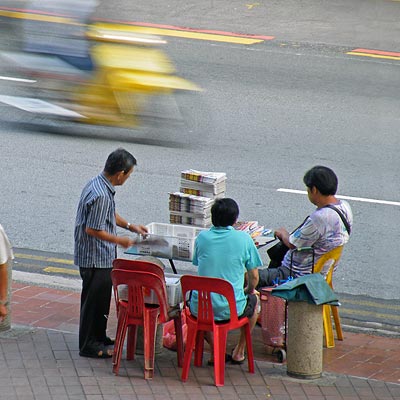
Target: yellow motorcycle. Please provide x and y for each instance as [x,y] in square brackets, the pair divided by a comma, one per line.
[129,68]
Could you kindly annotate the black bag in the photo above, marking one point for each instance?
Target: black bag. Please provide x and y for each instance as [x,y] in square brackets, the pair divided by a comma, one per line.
[278,251]
[276,254]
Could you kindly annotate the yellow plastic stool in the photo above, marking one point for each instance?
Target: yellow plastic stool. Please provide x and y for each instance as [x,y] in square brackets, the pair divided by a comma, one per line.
[326,265]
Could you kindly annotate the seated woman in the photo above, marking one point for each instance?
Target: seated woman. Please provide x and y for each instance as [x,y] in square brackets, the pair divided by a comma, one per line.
[223,252]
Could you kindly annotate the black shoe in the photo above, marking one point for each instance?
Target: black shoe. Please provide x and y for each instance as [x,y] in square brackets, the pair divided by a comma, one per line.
[108,341]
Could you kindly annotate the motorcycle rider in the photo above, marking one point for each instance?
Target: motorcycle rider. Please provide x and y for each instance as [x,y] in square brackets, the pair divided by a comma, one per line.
[63,34]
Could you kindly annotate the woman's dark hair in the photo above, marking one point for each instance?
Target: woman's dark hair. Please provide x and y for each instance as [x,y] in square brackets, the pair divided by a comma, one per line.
[119,160]
[323,178]
[224,212]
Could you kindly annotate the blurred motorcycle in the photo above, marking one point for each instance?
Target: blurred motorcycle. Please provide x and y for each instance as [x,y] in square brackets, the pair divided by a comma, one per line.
[127,68]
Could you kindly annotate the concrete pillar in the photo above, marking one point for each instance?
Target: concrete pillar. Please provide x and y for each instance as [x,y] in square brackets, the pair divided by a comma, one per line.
[304,340]
[5,325]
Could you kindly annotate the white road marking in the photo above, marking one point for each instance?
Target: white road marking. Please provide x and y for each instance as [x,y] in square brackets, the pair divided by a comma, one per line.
[362,199]
[10,78]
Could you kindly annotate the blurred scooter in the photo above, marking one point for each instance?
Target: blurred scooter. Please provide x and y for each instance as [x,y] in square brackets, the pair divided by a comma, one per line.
[123,68]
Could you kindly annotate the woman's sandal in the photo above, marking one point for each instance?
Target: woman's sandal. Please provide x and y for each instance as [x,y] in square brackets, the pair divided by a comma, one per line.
[237,362]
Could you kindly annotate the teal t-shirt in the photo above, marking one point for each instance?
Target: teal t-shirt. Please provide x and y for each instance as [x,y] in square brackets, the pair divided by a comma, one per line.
[225,253]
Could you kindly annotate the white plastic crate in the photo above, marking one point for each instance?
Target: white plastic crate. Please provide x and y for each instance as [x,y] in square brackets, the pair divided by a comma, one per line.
[174,290]
[168,241]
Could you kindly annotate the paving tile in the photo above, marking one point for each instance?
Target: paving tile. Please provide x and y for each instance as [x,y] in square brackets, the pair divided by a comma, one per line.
[48,363]
[73,390]
[125,390]
[128,397]
[23,391]
[91,390]
[57,390]
[111,397]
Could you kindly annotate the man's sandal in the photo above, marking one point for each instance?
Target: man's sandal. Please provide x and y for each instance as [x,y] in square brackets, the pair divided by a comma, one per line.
[102,353]
[108,341]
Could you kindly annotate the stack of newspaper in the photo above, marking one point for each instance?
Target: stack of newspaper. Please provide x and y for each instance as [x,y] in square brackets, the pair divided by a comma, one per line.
[206,184]
[189,209]
[198,190]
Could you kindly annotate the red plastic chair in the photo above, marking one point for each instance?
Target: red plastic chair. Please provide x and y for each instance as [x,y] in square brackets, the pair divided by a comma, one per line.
[136,312]
[205,322]
[139,265]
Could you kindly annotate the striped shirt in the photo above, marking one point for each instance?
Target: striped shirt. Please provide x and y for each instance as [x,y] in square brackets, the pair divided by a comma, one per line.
[96,210]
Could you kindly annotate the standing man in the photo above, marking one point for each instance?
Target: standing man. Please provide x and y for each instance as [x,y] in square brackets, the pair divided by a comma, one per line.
[96,243]
[6,255]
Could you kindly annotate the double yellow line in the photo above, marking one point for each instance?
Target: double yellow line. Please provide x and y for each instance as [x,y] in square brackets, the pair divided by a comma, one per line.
[53,260]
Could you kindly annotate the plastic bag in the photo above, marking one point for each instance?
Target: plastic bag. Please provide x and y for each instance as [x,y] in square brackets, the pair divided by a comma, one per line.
[169,335]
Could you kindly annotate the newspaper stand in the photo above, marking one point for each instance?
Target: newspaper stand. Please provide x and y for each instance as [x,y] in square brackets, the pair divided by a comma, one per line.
[273,322]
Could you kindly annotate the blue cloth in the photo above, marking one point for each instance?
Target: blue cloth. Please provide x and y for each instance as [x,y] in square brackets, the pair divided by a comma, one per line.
[225,253]
[311,288]
[96,210]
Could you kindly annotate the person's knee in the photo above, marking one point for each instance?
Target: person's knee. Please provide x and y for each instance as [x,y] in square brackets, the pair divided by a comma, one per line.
[263,274]
[256,310]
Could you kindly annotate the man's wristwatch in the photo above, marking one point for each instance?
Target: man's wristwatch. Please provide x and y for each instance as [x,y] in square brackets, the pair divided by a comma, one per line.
[128,225]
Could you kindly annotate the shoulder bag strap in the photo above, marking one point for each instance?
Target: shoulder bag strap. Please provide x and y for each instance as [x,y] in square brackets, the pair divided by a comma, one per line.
[342,217]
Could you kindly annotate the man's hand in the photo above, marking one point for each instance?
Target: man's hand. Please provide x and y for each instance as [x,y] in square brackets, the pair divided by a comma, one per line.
[281,233]
[140,229]
[125,242]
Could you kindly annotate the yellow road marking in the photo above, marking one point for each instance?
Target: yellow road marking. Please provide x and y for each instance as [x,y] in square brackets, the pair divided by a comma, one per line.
[370,304]
[56,270]
[373,55]
[193,35]
[141,29]
[386,317]
[250,6]
[37,17]
[41,258]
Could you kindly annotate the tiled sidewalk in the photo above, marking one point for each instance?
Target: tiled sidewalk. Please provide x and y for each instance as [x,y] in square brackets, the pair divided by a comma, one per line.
[44,364]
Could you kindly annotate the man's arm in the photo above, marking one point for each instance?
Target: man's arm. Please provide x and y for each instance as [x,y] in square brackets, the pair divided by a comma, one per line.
[123,241]
[123,223]
[252,280]
[283,235]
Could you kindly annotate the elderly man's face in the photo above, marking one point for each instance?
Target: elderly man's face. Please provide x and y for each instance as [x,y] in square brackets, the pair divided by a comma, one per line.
[123,177]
